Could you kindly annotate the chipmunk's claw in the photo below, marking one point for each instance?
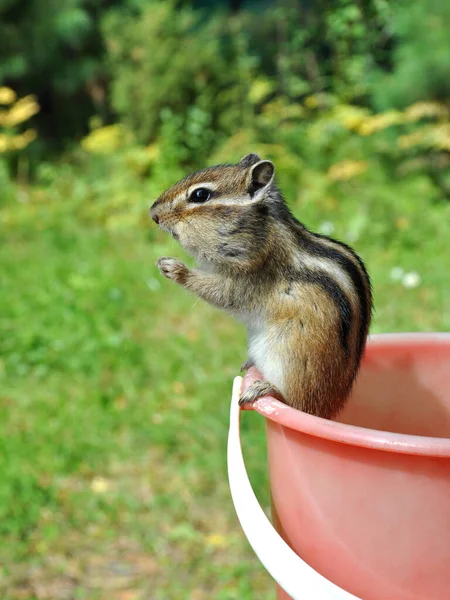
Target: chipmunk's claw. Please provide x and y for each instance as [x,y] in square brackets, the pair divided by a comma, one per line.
[258,389]
[173,269]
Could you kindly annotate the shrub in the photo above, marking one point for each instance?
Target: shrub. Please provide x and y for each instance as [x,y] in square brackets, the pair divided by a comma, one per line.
[171,61]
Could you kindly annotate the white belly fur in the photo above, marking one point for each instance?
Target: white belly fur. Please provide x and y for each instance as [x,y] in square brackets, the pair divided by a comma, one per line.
[269,363]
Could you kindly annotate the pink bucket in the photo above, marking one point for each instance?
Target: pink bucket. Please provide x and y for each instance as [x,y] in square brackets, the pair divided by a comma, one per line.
[364,502]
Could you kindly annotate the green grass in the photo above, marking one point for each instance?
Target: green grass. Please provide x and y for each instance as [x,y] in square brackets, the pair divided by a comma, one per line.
[115,384]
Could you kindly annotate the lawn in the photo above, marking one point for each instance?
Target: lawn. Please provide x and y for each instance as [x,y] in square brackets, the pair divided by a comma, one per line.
[115,384]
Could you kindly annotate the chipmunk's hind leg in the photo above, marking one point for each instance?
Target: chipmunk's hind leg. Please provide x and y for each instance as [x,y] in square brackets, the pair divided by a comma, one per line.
[258,389]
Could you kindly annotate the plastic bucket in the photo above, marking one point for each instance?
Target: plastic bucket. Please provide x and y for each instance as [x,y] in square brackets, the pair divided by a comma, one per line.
[363,504]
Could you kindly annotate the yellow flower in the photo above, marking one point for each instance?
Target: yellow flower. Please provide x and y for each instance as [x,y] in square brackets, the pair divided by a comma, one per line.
[216,540]
[421,110]
[347,169]
[260,89]
[16,142]
[100,485]
[436,137]
[21,111]
[5,143]
[380,122]
[441,137]
[411,140]
[7,95]
[21,141]
[104,140]
[353,122]
[350,117]
[311,101]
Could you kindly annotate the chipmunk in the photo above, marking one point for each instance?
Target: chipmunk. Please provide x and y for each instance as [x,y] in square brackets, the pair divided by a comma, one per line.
[305,298]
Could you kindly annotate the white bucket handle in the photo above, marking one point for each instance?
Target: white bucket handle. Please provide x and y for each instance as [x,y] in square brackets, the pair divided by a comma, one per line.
[297,578]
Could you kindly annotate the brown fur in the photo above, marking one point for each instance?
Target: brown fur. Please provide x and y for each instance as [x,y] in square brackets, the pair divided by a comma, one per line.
[306,299]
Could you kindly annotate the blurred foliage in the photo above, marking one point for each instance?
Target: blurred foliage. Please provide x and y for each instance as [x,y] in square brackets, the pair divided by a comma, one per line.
[420,57]
[198,71]
[229,64]
[169,85]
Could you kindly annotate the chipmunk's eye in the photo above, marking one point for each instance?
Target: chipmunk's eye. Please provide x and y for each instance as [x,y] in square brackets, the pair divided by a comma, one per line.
[200,195]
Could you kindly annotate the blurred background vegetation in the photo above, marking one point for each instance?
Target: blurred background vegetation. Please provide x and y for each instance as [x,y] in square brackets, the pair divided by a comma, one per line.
[114,384]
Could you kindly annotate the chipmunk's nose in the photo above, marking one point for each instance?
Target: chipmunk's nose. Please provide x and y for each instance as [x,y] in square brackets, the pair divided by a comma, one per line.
[153,214]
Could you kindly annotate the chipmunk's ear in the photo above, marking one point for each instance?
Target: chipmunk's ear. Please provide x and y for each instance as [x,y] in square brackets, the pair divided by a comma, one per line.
[248,160]
[260,177]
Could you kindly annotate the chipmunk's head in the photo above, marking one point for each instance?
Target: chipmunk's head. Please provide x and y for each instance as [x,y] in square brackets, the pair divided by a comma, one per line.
[221,214]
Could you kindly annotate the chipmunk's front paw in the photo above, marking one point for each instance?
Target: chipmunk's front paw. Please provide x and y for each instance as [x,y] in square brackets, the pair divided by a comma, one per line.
[258,389]
[173,269]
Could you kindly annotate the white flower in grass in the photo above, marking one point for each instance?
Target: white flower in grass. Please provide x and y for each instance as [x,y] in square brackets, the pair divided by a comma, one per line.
[411,280]
[99,485]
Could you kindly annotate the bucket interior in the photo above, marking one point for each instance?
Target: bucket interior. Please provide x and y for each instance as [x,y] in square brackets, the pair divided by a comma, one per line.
[403,387]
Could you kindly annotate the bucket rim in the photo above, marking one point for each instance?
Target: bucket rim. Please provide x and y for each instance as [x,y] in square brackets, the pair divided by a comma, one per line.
[401,443]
